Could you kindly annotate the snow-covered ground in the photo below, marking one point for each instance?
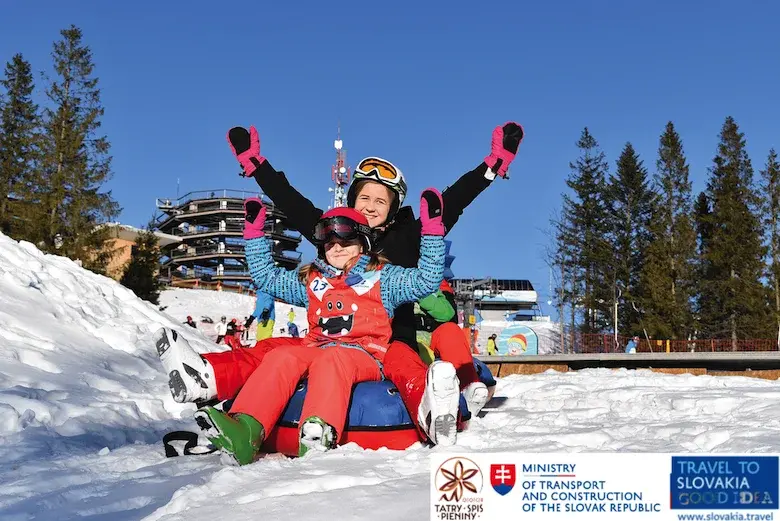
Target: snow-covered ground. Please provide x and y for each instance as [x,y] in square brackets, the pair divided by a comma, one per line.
[84,404]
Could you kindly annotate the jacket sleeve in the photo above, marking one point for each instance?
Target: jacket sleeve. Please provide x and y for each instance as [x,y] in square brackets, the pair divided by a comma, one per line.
[301,213]
[279,282]
[461,194]
[400,285]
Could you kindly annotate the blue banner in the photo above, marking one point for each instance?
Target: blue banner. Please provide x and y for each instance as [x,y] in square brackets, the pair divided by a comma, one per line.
[724,482]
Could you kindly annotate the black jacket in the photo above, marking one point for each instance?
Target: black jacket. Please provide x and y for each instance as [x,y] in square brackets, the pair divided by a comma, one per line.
[401,240]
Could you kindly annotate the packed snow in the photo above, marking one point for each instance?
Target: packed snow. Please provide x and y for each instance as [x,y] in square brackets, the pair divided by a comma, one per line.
[85,404]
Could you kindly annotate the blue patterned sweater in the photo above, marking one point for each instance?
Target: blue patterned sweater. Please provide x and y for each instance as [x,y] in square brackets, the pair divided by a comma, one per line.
[397,285]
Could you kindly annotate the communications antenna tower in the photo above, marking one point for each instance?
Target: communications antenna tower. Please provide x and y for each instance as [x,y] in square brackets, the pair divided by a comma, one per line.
[340,173]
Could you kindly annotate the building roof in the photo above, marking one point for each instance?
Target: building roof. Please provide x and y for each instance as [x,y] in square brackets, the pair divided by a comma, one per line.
[130,233]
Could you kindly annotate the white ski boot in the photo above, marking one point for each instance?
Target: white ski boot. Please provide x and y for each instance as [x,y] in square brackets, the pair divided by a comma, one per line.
[438,412]
[477,396]
[316,435]
[190,377]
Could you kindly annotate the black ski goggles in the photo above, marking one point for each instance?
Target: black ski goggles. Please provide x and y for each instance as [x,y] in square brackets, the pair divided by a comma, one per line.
[342,228]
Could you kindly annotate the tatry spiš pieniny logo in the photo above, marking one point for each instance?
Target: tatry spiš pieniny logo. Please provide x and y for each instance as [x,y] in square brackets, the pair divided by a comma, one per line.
[458,478]
[458,484]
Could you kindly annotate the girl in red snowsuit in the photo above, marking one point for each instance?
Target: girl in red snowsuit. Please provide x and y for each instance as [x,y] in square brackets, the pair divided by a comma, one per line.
[350,299]
[429,393]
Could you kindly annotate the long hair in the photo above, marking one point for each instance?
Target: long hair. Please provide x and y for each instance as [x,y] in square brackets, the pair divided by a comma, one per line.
[376,261]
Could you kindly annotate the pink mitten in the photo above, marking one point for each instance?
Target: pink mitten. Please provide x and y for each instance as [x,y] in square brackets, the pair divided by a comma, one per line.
[503,148]
[431,210]
[246,147]
[254,218]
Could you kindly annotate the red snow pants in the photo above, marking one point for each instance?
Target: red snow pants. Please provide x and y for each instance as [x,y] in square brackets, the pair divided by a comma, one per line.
[332,372]
[448,343]
[404,367]
[233,368]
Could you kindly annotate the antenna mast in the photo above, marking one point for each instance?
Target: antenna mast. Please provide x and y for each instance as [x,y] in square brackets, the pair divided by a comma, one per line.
[340,173]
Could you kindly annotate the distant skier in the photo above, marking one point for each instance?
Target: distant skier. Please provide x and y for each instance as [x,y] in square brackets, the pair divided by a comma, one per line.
[232,328]
[293,330]
[492,349]
[221,329]
[191,322]
[265,313]
[632,345]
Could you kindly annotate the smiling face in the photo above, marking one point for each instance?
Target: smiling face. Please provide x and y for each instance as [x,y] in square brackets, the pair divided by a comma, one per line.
[374,200]
[339,253]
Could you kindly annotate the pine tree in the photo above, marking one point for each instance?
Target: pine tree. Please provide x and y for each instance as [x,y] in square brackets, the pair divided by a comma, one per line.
[733,255]
[668,275]
[562,259]
[141,272]
[18,127]
[585,217]
[704,302]
[770,188]
[630,204]
[75,160]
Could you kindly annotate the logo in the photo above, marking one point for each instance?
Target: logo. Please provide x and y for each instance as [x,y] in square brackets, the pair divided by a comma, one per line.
[517,344]
[517,339]
[458,478]
[502,477]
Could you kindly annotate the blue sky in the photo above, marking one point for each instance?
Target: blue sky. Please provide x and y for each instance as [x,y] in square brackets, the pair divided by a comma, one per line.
[420,83]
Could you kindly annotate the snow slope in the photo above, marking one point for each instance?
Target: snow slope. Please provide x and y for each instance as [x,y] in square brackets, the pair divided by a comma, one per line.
[180,303]
[85,403]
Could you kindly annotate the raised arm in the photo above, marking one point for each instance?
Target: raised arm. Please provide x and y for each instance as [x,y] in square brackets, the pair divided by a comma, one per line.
[301,213]
[400,285]
[505,142]
[267,277]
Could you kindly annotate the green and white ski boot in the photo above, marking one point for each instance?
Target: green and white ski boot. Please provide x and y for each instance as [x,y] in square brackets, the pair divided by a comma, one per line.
[238,436]
[316,435]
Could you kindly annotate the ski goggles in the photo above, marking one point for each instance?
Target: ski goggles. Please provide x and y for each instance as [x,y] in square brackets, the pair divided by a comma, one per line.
[339,227]
[383,171]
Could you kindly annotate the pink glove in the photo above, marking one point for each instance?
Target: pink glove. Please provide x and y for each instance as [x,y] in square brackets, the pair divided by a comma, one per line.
[254,218]
[506,141]
[431,208]
[246,147]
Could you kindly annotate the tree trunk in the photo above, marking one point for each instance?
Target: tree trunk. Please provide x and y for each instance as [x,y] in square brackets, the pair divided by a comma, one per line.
[733,322]
[776,272]
[60,161]
[573,313]
[4,227]
[561,306]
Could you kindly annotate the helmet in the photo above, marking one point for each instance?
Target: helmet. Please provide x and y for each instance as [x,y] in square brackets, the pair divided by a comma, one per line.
[383,172]
[344,223]
[223,317]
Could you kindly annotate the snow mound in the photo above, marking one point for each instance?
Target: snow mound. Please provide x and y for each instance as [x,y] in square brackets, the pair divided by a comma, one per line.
[78,369]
